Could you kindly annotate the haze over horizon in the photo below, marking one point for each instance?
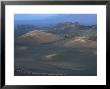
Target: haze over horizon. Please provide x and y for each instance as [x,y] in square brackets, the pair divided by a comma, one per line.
[51,19]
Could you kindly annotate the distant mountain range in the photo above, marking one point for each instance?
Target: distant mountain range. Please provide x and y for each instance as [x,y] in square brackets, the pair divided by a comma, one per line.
[22,29]
[67,34]
[63,28]
[73,29]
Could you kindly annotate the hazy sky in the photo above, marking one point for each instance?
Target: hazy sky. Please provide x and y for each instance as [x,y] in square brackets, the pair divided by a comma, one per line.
[53,18]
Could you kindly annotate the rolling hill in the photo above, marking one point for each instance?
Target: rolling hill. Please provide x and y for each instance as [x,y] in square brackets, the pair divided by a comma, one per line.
[38,37]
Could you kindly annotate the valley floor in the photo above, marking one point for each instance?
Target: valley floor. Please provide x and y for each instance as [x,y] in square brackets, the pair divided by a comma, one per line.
[43,61]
